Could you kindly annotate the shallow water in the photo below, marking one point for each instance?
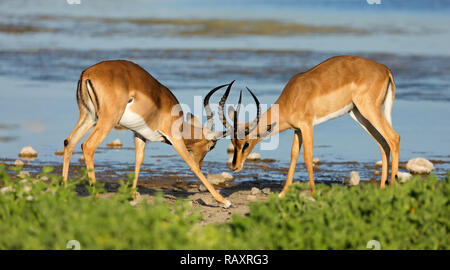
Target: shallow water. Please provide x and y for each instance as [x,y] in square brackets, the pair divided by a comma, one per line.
[45,46]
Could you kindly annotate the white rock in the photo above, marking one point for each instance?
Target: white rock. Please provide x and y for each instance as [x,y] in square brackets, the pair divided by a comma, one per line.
[27,188]
[28,151]
[266,190]
[23,174]
[227,176]
[379,163]
[254,156]
[419,166]
[18,163]
[230,148]
[352,179]
[202,188]
[3,190]
[216,179]
[403,176]
[316,160]
[255,191]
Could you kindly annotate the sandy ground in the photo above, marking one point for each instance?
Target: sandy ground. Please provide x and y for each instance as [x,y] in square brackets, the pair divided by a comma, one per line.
[240,195]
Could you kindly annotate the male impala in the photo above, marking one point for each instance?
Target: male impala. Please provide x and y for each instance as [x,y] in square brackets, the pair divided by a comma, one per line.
[122,93]
[339,85]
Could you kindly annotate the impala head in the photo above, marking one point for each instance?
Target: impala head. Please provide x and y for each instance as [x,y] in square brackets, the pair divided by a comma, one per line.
[245,136]
[201,139]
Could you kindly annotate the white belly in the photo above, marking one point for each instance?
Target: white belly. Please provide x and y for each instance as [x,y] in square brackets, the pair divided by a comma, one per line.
[135,122]
[336,114]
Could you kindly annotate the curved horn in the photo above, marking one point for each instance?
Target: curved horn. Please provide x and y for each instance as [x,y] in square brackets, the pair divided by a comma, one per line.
[209,114]
[236,116]
[223,118]
[252,125]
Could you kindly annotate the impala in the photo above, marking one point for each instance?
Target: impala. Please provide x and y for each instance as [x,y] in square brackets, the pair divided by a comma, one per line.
[339,85]
[122,93]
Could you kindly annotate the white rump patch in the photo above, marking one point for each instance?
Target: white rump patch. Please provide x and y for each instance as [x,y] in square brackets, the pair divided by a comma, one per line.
[388,104]
[135,122]
[336,114]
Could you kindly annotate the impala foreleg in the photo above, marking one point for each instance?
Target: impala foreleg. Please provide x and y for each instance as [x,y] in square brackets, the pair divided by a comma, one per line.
[84,123]
[308,141]
[180,147]
[139,143]
[296,145]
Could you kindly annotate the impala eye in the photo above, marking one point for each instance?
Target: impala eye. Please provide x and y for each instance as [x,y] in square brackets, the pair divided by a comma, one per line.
[246,145]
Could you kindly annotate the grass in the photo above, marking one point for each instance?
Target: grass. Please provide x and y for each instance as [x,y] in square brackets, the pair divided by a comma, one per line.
[40,213]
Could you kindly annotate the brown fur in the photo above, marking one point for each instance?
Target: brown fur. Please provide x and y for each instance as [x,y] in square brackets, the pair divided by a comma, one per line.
[113,84]
[321,91]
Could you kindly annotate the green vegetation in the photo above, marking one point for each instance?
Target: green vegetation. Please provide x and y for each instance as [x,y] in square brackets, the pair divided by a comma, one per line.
[40,213]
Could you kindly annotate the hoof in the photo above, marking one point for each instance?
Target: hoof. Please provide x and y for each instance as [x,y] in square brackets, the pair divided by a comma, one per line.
[227,205]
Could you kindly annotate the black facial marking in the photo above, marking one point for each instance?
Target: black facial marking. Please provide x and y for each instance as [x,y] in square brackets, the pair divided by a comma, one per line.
[246,145]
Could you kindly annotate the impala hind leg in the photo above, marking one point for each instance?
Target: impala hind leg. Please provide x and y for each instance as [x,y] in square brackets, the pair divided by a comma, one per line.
[101,130]
[139,143]
[85,122]
[180,147]
[296,145]
[384,147]
[374,115]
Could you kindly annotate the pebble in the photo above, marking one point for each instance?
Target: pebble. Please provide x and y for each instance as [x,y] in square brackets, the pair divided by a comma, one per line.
[379,163]
[28,151]
[254,156]
[115,143]
[202,188]
[216,179]
[18,162]
[419,166]
[307,195]
[3,190]
[23,174]
[404,176]
[255,191]
[227,176]
[266,191]
[27,188]
[352,179]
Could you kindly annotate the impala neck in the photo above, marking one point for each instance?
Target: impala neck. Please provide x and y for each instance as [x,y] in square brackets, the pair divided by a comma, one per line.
[272,117]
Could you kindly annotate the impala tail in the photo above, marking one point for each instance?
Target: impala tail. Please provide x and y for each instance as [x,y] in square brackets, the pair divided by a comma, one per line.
[389,99]
[87,97]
